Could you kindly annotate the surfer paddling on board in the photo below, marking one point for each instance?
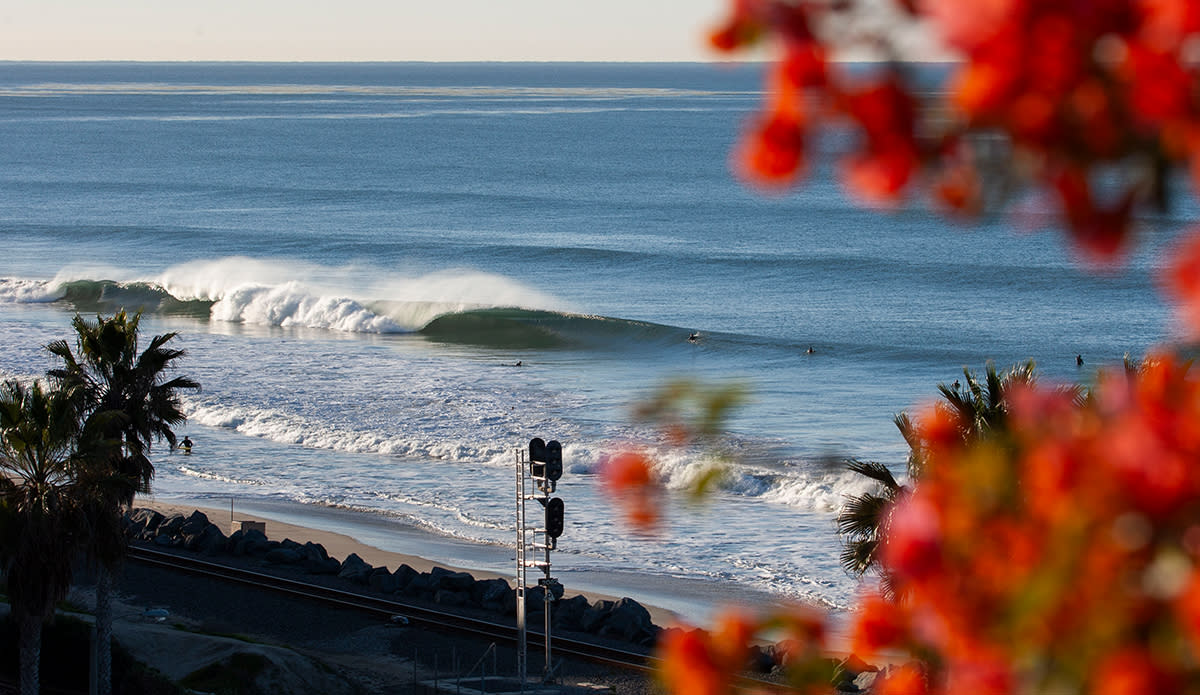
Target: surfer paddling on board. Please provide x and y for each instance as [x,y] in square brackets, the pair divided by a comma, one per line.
[186,445]
[694,338]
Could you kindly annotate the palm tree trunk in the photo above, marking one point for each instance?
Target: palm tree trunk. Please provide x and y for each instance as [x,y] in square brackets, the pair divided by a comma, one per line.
[31,654]
[104,622]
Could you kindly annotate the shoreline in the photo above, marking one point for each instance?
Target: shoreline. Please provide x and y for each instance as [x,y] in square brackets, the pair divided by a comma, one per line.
[672,601]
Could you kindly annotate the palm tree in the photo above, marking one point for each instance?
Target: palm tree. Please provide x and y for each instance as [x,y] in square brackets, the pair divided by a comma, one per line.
[982,411]
[862,521]
[126,398]
[41,521]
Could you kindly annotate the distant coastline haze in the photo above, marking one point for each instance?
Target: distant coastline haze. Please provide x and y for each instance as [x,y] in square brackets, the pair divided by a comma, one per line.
[377,31]
[358,30]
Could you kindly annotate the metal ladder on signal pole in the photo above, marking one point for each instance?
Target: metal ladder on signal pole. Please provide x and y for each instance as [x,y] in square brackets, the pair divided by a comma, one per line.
[521,545]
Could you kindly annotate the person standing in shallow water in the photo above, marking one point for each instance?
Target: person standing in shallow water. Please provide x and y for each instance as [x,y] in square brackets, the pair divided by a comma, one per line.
[186,445]
[1078,360]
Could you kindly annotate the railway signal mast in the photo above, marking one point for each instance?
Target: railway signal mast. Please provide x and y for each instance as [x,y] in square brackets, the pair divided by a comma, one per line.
[537,483]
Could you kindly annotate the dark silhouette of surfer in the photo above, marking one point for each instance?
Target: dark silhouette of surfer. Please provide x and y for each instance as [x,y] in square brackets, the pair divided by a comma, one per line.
[810,351]
[694,338]
[1078,360]
[518,364]
[186,445]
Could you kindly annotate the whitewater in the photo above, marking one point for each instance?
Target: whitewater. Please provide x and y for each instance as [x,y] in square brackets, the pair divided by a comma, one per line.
[357,257]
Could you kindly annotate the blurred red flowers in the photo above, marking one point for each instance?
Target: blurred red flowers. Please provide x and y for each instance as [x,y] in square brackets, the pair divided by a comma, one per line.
[630,480]
[1079,89]
[1061,551]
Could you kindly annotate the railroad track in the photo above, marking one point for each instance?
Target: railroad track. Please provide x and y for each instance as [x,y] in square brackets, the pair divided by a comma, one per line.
[385,608]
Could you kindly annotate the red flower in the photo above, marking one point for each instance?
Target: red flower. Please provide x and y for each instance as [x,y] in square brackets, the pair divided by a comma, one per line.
[629,478]
[1131,671]
[771,153]
[690,666]
[966,24]
[904,680]
[879,624]
[913,545]
[1100,232]
[1187,610]
[1182,281]
[743,27]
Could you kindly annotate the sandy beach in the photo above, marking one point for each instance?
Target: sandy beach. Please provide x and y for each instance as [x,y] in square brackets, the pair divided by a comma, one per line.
[671,600]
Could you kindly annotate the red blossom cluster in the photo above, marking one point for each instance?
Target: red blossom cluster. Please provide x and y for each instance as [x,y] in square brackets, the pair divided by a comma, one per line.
[1061,555]
[630,480]
[1081,91]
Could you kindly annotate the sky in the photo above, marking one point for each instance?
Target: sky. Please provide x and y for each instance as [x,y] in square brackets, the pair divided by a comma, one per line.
[358,30]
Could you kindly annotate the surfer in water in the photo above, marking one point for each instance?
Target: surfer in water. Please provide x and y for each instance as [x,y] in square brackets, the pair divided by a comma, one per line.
[186,445]
[694,338]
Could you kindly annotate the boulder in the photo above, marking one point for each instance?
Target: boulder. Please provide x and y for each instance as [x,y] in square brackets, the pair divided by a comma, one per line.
[420,586]
[595,616]
[284,556]
[492,594]
[252,542]
[446,597]
[846,674]
[211,542]
[317,561]
[142,523]
[195,524]
[315,552]
[328,566]
[451,580]
[760,660]
[170,526]
[569,613]
[630,621]
[866,680]
[355,569]
[404,574]
[383,581]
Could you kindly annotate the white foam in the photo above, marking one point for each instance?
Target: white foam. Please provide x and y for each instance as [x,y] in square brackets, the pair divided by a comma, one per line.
[350,298]
[286,428]
[292,304]
[22,291]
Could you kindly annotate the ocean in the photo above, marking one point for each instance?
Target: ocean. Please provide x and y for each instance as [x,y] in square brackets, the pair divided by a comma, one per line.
[356,257]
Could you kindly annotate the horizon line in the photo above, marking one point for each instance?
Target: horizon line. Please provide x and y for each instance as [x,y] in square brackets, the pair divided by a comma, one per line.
[748,61]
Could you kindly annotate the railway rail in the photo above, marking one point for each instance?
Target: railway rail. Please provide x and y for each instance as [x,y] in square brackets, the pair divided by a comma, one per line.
[386,608]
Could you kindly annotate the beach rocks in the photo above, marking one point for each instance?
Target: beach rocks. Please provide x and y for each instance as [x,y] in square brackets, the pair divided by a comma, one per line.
[847,675]
[494,595]
[316,560]
[355,569]
[628,620]
[283,556]
[404,574]
[624,620]
[446,580]
[568,614]
[253,542]
[142,524]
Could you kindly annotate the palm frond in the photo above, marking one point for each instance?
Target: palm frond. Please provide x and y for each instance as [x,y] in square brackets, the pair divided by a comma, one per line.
[875,471]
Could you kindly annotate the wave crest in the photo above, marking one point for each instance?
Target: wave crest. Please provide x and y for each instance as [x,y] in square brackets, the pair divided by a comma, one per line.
[291,305]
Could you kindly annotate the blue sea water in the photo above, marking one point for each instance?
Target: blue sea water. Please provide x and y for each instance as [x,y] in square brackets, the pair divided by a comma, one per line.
[355,257]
